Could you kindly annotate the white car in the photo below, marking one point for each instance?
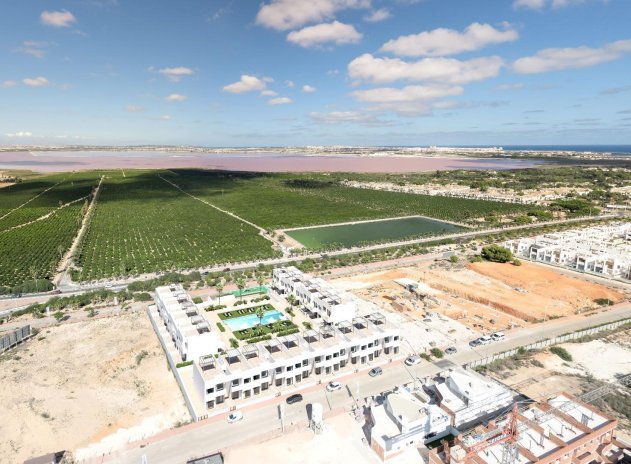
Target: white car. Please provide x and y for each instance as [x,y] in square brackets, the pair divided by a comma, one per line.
[235,416]
[412,360]
[498,336]
[333,386]
[485,340]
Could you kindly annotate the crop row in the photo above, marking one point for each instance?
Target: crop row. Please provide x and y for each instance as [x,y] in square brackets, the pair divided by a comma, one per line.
[142,224]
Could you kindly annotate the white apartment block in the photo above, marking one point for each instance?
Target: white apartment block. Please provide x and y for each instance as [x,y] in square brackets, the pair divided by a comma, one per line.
[316,296]
[289,360]
[602,250]
[188,329]
[407,419]
[468,397]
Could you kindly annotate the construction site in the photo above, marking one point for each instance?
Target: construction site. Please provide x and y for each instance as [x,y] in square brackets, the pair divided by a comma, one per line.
[482,297]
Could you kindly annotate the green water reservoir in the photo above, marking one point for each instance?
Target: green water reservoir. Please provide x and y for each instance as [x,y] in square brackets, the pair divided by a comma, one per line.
[349,235]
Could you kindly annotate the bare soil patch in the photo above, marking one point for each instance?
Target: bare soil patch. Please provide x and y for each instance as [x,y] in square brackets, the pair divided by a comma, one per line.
[75,384]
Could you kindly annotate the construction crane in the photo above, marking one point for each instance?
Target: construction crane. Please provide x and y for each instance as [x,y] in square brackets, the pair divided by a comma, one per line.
[509,434]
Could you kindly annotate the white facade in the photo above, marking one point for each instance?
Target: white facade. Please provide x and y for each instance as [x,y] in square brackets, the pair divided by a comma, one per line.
[253,369]
[468,397]
[602,250]
[319,298]
[406,420]
[188,329]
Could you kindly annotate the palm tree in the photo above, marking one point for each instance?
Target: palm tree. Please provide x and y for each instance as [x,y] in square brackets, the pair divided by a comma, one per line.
[260,313]
[291,300]
[240,281]
[219,286]
[260,279]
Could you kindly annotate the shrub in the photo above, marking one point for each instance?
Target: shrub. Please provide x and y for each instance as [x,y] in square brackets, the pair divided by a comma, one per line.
[307,325]
[453,259]
[603,301]
[140,356]
[425,356]
[476,259]
[537,363]
[497,254]
[561,353]
[198,300]
[234,343]
[221,327]
[142,296]
[437,353]
[183,364]
[516,262]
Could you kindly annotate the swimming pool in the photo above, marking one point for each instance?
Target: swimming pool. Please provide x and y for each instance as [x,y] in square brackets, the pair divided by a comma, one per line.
[246,322]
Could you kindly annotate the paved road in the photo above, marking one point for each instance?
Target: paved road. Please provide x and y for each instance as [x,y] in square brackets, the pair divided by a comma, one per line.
[194,440]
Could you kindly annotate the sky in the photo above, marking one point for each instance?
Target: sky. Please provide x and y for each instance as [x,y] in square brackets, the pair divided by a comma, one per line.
[315,72]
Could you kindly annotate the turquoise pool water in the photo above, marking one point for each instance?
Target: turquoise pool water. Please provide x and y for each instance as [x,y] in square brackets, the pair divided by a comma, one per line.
[246,322]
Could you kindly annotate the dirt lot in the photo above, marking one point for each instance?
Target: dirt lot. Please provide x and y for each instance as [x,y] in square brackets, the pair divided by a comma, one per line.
[75,384]
[594,362]
[483,296]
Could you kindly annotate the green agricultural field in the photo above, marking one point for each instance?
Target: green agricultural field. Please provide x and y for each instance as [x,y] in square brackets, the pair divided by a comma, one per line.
[142,224]
[29,251]
[283,200]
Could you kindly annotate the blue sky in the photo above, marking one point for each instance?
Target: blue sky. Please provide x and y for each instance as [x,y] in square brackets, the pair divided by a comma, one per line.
[317,72]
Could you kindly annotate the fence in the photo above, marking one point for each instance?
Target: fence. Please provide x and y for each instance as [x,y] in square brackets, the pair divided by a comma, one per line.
[174,370]
[15,337]
[549,342]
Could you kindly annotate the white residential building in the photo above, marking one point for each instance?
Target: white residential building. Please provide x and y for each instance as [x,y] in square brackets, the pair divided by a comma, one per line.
[188,329]
[317,297]
[468,397]
[602,249]
[288,360]
[407,419]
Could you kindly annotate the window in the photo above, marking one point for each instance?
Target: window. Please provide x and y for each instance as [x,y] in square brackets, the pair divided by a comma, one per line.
[264,374]
[305,362]
[318,359]
[335,355]
[396,337]
[328,358]
[342,352]
[363,347]
[210,390]
[256,377]
[248,380]
[290,368]
[297,366]
[279,370]
[235,382]
[219,386]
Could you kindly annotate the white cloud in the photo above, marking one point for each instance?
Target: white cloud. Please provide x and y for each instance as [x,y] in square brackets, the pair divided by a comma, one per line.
[39,81]
[175,74]
[7,84]
[541,4]
[408,93]
[529,4]
[556,59]
[290,84]
[308,88]
[165,117]
[33,48]
[134,109]
[279,101]
[335,32]
[516,86]
[444,70]
[440,42]
[58,18]
[378,15]
[351,117]
[268,93]
[290,14]
[245,84]
[19,134]
[174,97]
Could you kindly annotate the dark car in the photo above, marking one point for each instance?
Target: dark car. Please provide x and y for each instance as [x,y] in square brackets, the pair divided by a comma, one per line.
[474,343]
[297,398]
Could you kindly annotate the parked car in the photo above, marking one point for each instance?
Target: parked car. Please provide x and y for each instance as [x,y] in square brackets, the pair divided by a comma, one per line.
[485,340]
[375,371]
[334,386]
[451,350]
[412,360]
[235,416]
[498,336]
[430,435]
[297,398]
[474,343]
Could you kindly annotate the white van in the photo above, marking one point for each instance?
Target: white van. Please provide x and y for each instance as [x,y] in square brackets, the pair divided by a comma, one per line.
[498,336]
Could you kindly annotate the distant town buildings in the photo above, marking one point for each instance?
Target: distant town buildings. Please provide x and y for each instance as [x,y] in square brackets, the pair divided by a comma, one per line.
[189,330]
[602,249]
